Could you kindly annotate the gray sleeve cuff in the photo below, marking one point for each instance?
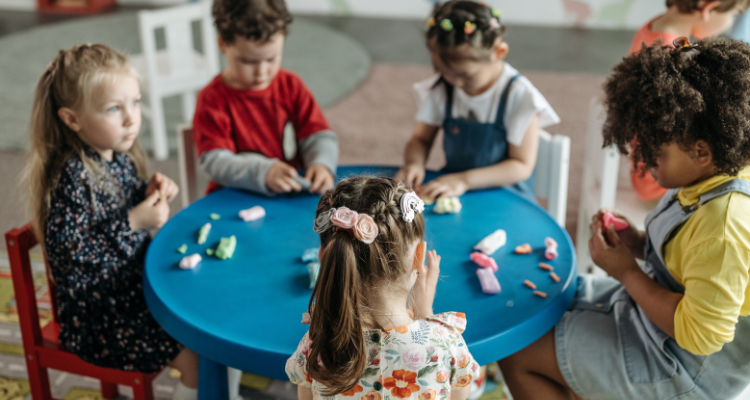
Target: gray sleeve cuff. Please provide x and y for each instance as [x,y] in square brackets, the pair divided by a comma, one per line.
[243,171]
[321,148]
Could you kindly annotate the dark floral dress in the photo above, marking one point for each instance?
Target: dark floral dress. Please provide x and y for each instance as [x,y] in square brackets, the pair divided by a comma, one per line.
[97,262]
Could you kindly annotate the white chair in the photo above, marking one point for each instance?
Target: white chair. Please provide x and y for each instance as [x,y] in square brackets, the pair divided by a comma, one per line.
[178,69]
[552,166]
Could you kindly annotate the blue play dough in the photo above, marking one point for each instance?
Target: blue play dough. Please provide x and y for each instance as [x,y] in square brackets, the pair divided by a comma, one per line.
[245,311]
[310,255]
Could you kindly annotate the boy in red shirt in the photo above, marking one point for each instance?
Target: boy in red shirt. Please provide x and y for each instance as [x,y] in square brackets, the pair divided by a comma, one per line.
[241,115]
[697,18]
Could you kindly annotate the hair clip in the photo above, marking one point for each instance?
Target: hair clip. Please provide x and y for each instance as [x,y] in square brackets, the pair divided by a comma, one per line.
[446,24]
[496,13]
[360,226]
[411,204]
[494,23]
[682,43]
[469,27]
[431,22]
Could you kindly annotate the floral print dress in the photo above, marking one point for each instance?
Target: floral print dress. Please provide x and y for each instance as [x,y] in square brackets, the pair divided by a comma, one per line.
[419,361]
[97,263]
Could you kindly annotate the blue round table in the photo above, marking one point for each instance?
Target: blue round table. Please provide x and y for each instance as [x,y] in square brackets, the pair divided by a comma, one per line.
[246,312]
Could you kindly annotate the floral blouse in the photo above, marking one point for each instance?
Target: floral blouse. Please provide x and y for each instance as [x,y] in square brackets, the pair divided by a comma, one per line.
[419,361]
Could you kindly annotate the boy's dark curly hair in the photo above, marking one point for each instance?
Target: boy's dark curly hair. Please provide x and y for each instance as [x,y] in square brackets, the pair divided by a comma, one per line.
[687,6]
[459,12]
[664,95]
[251,19]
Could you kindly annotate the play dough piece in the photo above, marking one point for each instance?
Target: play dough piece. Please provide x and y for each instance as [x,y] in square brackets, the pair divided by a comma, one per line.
[226,247]
[306,318]
[209,252]
[523,249]
[252,213]
[529,284]
[545,267]
[189,262]
[489,282]
[492,242]
[540,294]
[182,249]
[305,183]
[484,261]
[609,219]
[313,269]
[551,251]
[554,277]
[447,205]
[310,255]
[203,233]
[215,216]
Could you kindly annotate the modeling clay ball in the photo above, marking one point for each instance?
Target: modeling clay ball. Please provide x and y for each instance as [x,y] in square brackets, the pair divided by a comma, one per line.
[488,280]
[182,249]
[313,269]
[203,233]
[189,262]
[492,242]
[310,255]
[447,205]
[523,249]
[484,261]
[214,216]
[226,247]
[252,213]
[209,252]
[609,219]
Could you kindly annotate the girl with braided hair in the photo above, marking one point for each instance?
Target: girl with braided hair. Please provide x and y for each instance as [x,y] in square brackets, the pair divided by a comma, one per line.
[363,342]
[490,114]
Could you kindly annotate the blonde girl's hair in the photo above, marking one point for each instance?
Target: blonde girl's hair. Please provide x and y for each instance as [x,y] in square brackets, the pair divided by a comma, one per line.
[69,81]
[350,270]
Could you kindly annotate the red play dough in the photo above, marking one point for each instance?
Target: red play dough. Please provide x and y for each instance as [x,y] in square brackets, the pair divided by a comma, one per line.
[609,219]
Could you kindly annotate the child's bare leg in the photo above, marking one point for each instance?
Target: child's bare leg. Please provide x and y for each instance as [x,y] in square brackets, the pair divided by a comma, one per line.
[187,363]
[533,373]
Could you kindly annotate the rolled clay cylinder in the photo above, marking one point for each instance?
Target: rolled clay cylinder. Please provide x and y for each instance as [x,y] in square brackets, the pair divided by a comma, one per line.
[226,247]
[492,242]
[189,262]
[313,269]
[310,255]
[252,213]
[523,249]
[305,183]
[551,251]
[203,233]
[609,219]
[447,205]
[484,261]
[488,280]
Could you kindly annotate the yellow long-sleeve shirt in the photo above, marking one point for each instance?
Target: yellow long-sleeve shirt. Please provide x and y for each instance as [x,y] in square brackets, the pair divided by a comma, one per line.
[710,256]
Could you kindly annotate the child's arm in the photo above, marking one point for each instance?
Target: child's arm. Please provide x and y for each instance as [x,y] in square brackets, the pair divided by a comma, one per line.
[518,167]
[304,393]
[460,393]
[320,153]
[250,171]
[415,155]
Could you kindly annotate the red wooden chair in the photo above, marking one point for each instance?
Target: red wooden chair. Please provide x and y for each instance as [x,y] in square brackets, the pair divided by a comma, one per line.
[40,344]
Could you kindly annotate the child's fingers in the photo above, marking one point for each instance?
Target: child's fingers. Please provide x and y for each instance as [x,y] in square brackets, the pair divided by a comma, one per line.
[153,198]
[289,171]
[293,185]
[612,237]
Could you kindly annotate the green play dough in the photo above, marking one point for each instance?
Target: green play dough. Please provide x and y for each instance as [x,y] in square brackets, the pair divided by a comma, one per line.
[214,216]
[226,247]
[182,249]
[203,233]
[209,252]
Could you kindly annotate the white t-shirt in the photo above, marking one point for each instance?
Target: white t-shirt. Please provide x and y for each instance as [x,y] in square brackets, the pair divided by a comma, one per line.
[524,102]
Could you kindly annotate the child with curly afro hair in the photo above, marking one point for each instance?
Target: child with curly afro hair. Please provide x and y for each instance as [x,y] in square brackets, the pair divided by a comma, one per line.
[679,325]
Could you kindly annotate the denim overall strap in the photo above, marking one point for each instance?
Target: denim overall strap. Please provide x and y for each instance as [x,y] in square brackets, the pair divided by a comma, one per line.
[500,119]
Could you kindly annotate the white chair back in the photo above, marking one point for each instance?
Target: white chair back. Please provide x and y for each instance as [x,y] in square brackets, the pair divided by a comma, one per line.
[552,167]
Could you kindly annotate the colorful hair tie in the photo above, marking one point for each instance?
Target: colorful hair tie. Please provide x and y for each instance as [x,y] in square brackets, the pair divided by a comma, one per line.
[682,43]
[431,22]
[411,204]
[446,24]
[494,23]
[496,12]
[469,27]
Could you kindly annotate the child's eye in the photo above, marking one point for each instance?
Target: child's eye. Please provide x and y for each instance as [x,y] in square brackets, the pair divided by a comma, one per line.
[136,102]
[112,109]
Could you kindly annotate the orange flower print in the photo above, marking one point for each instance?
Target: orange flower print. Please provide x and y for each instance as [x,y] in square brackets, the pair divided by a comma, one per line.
[402,383]
[400,329]
[442,376]
[428,395]
[463,381]
[463,361]
[358,388]
[371,395]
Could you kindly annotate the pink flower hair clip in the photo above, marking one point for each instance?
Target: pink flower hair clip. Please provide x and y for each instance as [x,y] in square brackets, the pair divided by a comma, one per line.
[494,23]
[411,205]
[360,226]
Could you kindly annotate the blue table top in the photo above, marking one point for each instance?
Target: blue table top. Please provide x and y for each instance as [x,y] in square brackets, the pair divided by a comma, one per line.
[245,312]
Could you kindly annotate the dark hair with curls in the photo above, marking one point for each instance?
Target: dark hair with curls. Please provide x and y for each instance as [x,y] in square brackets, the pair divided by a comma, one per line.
[479,42]
[665,95]
[350,271]
[251,19]
[687,6]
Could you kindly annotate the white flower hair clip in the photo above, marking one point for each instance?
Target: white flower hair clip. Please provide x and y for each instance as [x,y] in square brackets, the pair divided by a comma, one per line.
[360,226]
[411,204]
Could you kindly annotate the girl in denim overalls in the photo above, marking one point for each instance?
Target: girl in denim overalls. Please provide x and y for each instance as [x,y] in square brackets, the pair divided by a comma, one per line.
[489,113]
[677,328]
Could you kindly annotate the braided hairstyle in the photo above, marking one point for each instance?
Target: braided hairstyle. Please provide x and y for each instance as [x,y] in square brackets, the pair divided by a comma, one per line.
[350,270]
[664,95]
[458,14]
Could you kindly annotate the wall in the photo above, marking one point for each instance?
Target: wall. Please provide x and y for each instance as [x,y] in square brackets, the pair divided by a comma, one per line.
[610,14]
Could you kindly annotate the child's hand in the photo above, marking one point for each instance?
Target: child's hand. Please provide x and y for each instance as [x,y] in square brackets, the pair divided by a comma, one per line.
[451,185]
[150,213]
[280,178]
[163,185]
[634,239]
[412,175]
[609,252]
[424,288]
[321,178]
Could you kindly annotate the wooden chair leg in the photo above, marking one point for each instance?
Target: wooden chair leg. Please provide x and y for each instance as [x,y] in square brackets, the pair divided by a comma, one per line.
[143,388]
[109,390]
[38,380]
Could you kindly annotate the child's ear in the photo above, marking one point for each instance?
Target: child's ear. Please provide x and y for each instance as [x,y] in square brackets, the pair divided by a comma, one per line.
[69,118]
[419,256]
[222,44]
[499,50]
[703,154]
[707,7]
